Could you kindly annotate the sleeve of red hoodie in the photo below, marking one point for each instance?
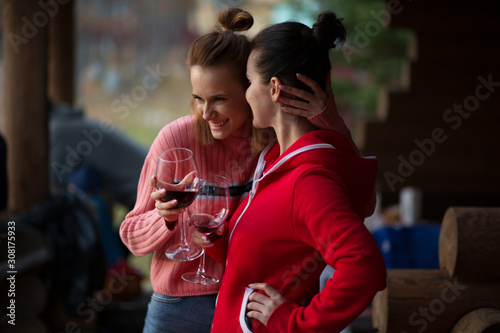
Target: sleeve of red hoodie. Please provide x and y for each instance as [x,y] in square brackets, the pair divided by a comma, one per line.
[332,227]
[329,119]
[144,231]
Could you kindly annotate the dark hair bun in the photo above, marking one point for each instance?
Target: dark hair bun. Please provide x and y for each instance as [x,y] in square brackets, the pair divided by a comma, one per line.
[329,29]
[235,19]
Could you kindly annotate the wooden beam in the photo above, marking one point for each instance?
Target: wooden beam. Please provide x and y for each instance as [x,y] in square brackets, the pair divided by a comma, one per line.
[25,102]
[397,135]
[441,105]
[61,55]
[456,75]
[458,47]
[450,16]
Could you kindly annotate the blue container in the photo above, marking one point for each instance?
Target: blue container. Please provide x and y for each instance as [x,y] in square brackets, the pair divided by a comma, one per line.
[409,247]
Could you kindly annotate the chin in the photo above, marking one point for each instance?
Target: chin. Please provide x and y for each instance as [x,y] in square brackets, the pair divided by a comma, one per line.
[256,124]
[220,136]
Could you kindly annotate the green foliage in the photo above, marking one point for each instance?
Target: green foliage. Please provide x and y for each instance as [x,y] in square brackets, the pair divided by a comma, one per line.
[371,49]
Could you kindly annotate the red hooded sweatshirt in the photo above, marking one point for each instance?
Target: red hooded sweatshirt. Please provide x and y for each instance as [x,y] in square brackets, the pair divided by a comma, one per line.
[305,210]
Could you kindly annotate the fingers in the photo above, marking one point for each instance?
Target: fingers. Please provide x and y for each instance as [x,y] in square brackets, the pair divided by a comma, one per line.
[309,104]
[166,209]
[204,240]
[257,308]
[305,95]
[256,314]
[268,289]
[153,181]
[315,87]
[187,180]
[201,239]
[221,230]
[295,106]
[217,233]
[275,298]
[261,306]
[158,194]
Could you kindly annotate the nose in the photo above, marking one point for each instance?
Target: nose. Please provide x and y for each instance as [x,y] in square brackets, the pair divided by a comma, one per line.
[206,111]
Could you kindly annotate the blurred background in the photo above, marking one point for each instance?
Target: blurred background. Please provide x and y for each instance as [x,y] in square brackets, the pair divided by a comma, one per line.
[118,40]
[415,82]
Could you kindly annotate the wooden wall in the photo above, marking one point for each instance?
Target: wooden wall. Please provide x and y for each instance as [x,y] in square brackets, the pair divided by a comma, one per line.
[440,131]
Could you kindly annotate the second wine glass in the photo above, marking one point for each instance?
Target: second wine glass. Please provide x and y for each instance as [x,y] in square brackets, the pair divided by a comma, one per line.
[207,213]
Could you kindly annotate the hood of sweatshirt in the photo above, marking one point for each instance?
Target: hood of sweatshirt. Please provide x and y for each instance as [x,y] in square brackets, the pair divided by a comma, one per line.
[356,174]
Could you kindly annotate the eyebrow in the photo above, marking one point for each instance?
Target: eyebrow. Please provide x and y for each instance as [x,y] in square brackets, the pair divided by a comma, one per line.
[214,96]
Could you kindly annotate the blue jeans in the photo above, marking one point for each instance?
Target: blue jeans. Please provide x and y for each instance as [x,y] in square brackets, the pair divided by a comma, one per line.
[179,314]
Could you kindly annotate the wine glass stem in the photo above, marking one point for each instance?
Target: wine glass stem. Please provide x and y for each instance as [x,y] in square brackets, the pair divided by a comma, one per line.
[201,266]
[183,233]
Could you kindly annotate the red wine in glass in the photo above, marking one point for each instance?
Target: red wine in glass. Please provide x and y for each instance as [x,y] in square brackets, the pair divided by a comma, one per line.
[206,223]
[184,198]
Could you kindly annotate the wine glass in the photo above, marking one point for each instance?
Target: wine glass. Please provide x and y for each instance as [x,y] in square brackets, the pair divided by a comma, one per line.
[207,213]
[176,172]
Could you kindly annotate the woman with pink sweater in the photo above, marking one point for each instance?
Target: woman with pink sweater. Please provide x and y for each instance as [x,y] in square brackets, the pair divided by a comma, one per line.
[223,140]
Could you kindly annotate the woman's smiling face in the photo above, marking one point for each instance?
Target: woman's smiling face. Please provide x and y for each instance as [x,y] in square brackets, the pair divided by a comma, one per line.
[220,99]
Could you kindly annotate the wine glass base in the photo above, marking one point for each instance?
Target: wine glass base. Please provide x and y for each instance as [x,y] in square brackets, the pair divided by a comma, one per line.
[199,278]
[181,253]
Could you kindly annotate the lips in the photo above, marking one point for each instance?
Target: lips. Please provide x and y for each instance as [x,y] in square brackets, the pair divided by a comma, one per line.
[219,124]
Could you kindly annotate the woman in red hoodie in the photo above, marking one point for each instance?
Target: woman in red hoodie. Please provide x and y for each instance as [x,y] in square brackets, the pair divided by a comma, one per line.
[222,139]
[306,206]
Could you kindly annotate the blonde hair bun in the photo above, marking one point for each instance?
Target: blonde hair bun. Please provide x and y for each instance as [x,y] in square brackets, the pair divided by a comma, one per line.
[235,19]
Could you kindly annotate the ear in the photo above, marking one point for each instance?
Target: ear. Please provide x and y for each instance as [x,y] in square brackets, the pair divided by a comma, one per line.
[275,88]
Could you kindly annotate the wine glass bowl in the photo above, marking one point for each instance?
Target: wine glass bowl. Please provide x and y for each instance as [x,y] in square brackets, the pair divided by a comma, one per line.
[176,172]
[207,213]
[184,195]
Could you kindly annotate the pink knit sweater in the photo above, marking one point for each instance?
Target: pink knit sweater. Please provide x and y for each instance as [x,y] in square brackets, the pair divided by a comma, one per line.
[143,231]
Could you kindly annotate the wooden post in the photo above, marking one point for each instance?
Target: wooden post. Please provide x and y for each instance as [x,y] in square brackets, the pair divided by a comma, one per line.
[469,243]
[25,102]
[61,53]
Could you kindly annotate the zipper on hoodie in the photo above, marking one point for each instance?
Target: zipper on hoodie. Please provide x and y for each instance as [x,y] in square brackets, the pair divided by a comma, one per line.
[259,173]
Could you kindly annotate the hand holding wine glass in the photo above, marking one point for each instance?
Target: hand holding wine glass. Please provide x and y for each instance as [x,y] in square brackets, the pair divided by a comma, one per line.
[204,240]
[183,192]
[207,213]
[168,210]
[177,179]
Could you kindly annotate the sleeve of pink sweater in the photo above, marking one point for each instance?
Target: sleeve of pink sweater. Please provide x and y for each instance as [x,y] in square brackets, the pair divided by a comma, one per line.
[144,231]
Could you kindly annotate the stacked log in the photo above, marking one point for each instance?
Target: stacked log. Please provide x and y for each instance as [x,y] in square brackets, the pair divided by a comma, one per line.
[463,295]
[469,243]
